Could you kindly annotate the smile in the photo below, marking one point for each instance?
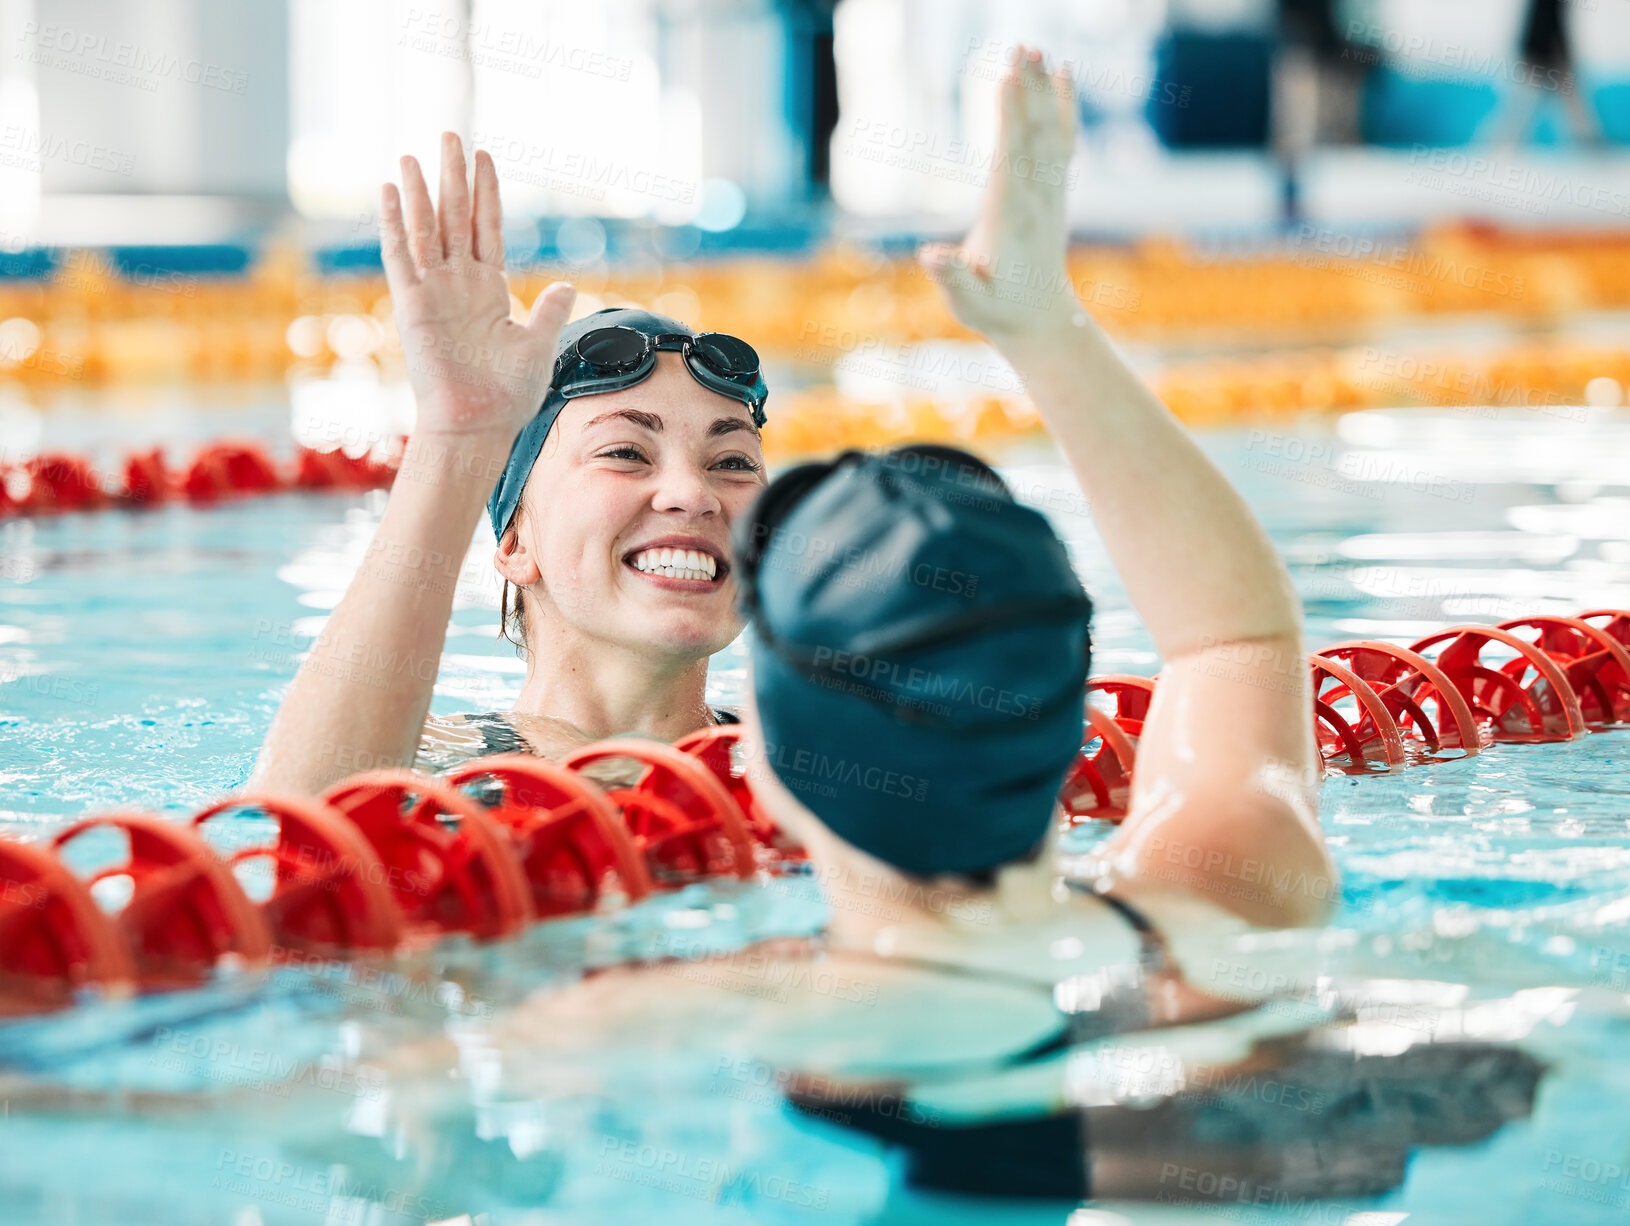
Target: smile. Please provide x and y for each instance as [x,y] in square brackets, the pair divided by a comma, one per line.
[693,565]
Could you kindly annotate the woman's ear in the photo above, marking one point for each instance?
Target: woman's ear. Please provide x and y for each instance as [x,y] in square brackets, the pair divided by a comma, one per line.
[514,561]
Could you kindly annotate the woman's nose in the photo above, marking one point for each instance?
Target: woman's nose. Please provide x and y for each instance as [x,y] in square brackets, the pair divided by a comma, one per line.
[685,488]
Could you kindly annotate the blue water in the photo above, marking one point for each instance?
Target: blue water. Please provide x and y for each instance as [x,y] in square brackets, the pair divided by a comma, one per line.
[142,656]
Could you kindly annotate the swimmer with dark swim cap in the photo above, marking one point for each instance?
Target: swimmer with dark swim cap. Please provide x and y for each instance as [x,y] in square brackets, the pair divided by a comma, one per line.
[920,642]
[611,453]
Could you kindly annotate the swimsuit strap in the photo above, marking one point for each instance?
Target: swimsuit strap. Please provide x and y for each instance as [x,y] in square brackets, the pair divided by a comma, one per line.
[499,734]
[1153,954]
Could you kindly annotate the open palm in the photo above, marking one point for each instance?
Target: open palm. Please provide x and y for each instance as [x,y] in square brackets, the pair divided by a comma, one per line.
[1009,275]
[473,369]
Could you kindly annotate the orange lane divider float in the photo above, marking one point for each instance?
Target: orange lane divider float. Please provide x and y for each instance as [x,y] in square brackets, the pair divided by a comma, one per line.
[1378,706]
[230,468]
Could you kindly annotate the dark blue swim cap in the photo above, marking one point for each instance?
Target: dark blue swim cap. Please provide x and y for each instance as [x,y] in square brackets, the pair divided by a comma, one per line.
[506,496]
[921,657]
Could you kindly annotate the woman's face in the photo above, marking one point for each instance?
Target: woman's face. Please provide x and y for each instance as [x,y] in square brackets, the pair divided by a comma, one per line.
[625,528]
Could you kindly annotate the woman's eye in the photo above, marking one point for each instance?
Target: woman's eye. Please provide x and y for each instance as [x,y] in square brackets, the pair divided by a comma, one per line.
[623,453]
[740,463]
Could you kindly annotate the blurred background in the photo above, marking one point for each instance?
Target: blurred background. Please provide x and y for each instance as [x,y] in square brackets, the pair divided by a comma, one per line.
[1281,207]
[1375,252]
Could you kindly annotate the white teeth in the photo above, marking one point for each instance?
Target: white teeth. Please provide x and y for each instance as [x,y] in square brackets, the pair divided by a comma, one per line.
[676,563]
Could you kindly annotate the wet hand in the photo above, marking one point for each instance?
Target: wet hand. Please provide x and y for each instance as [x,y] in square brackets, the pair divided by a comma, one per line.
[1008,276]
[474,371]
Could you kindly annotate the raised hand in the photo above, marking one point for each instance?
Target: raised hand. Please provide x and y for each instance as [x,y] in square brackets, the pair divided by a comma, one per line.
[474,371]
[1008,275]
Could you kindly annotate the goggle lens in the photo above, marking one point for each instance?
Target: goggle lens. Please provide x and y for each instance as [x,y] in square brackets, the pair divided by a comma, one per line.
[728,356]
[612,348]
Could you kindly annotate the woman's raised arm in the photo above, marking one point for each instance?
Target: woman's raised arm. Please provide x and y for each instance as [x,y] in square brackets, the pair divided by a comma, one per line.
[360,698]
[1225,795]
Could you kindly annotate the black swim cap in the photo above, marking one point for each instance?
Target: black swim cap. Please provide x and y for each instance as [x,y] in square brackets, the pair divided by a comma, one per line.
[921,657]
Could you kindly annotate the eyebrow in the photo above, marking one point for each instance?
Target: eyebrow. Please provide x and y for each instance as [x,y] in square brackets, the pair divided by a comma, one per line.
[639,417]
[653,423]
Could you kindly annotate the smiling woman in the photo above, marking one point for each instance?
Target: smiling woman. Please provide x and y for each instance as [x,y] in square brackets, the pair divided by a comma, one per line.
[612,454]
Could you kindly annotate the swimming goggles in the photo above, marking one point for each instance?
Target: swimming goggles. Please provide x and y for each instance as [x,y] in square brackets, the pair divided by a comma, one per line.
[610,359]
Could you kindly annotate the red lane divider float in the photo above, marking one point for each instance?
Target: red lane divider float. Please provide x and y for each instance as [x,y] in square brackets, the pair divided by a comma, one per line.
[388,857]
[54,939]
[1615,623]
[714,747]
[1595,662]
[447,862]
[683,820]
[1526,698]
[230,468]
[572,844]
[185,910]
[1355,731]
[1429,712]
[330,889]
[1099,784]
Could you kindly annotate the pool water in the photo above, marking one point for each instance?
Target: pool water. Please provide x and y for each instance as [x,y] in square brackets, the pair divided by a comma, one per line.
[142,656]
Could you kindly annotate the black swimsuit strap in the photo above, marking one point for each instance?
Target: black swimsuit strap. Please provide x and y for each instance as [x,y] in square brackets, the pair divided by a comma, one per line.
[1153,953]
[499,734]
